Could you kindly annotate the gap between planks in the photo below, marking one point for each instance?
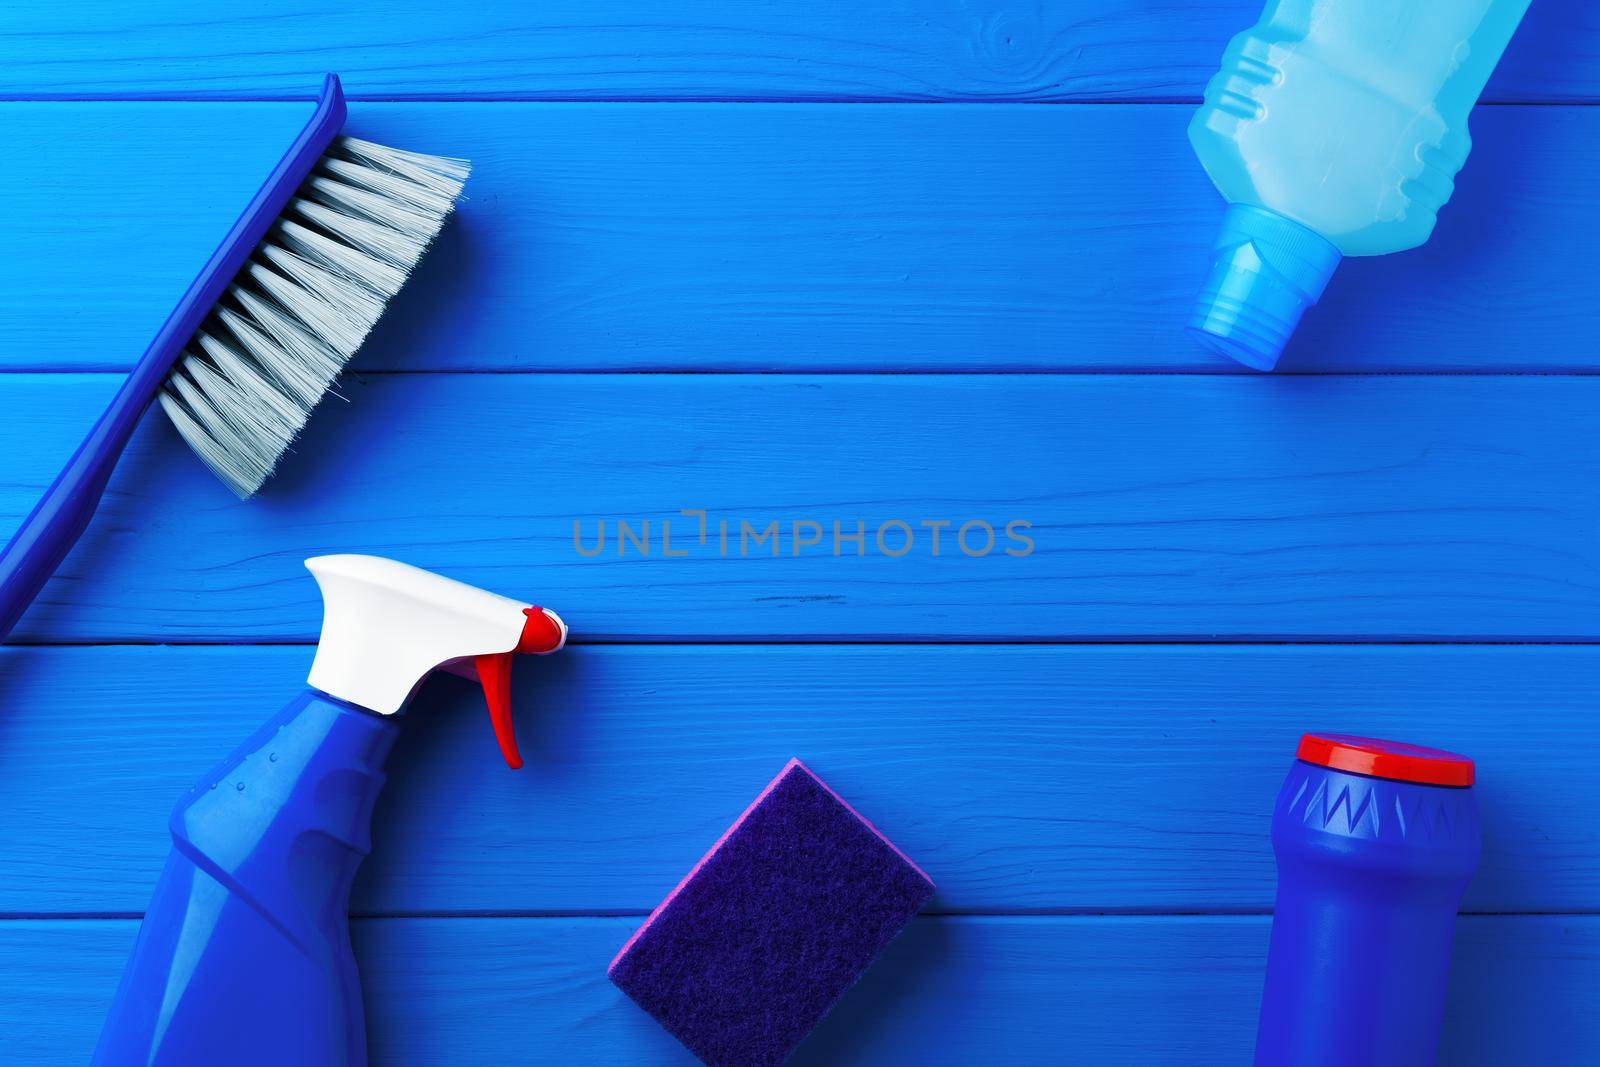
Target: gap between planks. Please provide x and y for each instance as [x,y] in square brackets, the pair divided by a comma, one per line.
[536,98]
[1044,915]
[1222,370]
[881,642]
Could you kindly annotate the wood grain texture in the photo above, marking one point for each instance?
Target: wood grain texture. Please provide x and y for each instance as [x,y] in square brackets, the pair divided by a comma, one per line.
[1050,782]
[771,237]
[1142,991]
[1023,779]
[718,50]
[1162,507]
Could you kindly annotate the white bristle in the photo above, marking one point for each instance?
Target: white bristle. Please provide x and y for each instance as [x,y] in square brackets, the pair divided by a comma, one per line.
[329,317]
[261,394]
[304,303]
[371,237]
[223,447]
[354,266]
[390,186]
[300,381]
[352,199]
[437,174]
[313,362]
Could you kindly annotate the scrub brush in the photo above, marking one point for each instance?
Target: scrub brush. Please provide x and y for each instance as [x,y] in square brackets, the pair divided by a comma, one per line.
[263,330]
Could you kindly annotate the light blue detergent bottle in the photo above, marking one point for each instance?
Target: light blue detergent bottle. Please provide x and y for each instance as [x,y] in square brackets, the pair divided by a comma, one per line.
[243,959]
[1335,128]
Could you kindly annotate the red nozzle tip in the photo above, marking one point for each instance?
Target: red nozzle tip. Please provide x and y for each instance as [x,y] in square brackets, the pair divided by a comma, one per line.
[544,632]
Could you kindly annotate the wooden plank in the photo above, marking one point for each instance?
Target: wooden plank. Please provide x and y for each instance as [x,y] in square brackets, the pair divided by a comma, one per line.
[631,50]
[1162,507]
[755,238]
[1024,779]
[958,991]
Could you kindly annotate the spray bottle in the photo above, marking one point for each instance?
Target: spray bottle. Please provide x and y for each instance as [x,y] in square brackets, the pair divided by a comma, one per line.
[1335,128]
[244,956]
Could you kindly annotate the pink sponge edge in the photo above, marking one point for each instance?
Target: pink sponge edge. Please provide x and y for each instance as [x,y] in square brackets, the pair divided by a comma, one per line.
[793,764]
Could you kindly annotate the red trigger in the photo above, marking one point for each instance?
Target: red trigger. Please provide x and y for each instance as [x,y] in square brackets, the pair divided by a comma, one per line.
[542,633]
[494,672]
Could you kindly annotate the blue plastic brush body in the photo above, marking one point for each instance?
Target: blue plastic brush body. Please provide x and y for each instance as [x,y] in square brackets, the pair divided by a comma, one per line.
[244,955]
[61,516]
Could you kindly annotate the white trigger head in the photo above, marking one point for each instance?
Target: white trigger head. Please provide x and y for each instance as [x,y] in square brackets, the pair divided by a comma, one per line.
[386,625]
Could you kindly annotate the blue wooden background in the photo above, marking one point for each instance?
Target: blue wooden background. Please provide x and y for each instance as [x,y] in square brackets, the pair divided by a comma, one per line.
[832,261]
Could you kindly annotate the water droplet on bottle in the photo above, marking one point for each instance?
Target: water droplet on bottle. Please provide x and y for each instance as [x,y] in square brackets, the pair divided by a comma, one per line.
[272,757]
[213,785]
[240,787]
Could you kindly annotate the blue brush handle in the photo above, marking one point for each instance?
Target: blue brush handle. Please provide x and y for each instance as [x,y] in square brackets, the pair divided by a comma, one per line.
[56,522]
[59,519]
[244,955]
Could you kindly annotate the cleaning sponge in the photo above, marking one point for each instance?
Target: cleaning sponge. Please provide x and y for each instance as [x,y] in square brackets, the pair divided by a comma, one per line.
[753,947]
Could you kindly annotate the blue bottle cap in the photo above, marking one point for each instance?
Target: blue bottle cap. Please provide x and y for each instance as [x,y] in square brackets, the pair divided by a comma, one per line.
[1266,269]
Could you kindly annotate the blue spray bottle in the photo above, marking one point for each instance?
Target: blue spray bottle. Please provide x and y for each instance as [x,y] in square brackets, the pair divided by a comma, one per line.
[1335,128]
[244,956]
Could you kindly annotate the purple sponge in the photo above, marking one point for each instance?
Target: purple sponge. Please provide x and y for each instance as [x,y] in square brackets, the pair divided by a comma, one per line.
[782,915]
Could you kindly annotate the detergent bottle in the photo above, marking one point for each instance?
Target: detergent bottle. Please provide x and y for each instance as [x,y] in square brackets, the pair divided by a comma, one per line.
[1376,841]
[1335,128]
[244,956]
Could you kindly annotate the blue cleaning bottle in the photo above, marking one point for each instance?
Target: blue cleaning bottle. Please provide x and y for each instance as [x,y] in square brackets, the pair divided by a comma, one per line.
[244,955]
[1335,128]
[1375,841]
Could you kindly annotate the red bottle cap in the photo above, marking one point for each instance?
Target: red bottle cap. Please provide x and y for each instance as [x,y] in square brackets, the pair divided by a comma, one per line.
[1385,759]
